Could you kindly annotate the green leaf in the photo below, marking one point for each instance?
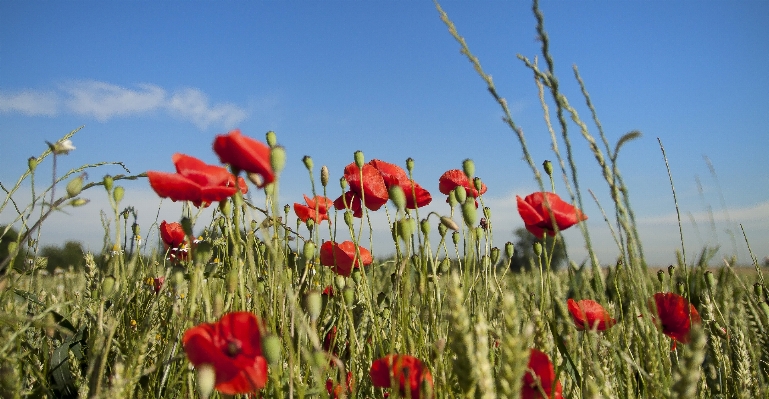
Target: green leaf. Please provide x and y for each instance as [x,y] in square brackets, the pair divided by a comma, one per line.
[60,374]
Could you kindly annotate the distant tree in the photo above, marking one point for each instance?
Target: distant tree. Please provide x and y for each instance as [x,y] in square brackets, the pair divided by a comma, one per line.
[71,255]
[523,256]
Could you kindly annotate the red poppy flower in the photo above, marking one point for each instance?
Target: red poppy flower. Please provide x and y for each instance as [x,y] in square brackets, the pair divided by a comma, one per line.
[374,188]
[233,347]
[340,257]
[454,178]
[406,371]
[588,314]
[244,153]
[304,212]
[540,374]
[195,181]
[157,283]
[349,200]
[339,391]
[394,175]
[534,212]
[675,316]
[175,240]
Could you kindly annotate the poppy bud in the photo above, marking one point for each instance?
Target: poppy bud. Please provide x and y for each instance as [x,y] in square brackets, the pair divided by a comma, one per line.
[424,226]
[261,286]
[356,276]
[78,202]
[455,237]
[226,207]
[277,158]
[218,305]
[117,195]
[310,223]
[348,218]
[312,304]
[449,223]
[203,252]
[537,248]
[269,189]
[410,165]
[453,199]
[660,276]
[271,138]
[478,184]
[349,296]
[509,249]
[323,175]
[340,282]
[271,348]
[255,178]
[359,159]
[206,380]
[108,181]
[75,186]
[487,212]
[494,256]
[468,166]
[461,194]
[445,265]
[108,286]
[478,232]
[309,249]
[125,214]
[398,197]
[469,212]
[406,228]
[548,167]
[442,229]
[680,287]
[32,163]
[671,270]
[307,162]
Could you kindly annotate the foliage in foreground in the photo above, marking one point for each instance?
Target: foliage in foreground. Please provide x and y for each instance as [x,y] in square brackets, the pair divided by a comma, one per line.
[251,304]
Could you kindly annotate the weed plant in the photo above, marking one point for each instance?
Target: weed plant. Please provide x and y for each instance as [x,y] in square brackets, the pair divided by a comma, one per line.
[256,305]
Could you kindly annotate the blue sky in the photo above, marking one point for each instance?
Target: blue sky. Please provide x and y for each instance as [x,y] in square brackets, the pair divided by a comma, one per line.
[148,79]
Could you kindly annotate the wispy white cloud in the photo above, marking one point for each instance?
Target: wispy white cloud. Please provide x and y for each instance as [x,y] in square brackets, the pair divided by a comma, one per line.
[29,102]
[104,101]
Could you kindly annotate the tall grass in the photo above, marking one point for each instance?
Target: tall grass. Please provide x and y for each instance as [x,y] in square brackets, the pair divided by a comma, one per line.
[116,328]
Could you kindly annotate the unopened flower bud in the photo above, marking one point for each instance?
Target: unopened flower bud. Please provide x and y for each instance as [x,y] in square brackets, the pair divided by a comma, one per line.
[340,282]
[277,158]
[323,175]
[468,166]
[225,207]
[108,286]
[461,194]
[231,280]
[359,159]
[356,276]
[32,163]
[509,249]
[348,218]
[186,225]
[312,305]
[537,248]
[397,197]
[410,165]
[108,181]
[660,276]
[442,229]
[206,380]
[118,194]
[76,202]
[309,250]
[478,184]
[271,138]
[455,237]
[548,167]
[255,178]
[494,255]
[449,223]
[271,347]
[453,199]
[424,226]
[307,162]
[469,212]
[349,296]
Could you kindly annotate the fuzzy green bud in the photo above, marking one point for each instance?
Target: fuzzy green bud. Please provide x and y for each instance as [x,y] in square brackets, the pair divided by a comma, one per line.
[277,158]
[349,296]
[455,237]
[445,265]
[307,160]
[442,229]
[231,280]
[509,249]
[478,184]
[271,348]
[449,223]
[225,207]
[271,138]
[118,194]
[424,226]
[108,181]
[453,199]
[468,166]
[548,167]
[469,213]
[108,286]
[359,159]
[340,282]
[410,165]
[478,232]
[461,194]
[32,163]
[308,251]
[312,304]
[494,255]
[398,197]
[186,226]
[405,228]
[206,380]
[537,248]
[356,276]
[76,202]
[323,175]
[348,218]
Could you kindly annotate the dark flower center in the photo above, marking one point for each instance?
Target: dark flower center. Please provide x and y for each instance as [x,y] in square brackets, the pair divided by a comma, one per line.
[233,349]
